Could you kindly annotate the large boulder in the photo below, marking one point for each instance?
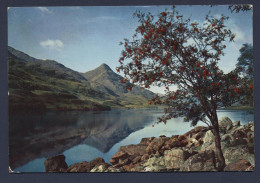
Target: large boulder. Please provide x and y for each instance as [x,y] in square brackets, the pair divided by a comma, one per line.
[195,131]
[242,135]
[129,153]
[208,141]
[236,123]
[85,166]
[174,141]
[155,146]
[175,158]
[155,164]
[119,155]
[234,154]
[138,149]
[240,165]
[55,164]
[203,161]
[224,122]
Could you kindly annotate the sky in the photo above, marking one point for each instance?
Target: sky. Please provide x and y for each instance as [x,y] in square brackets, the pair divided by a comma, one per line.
[84,37]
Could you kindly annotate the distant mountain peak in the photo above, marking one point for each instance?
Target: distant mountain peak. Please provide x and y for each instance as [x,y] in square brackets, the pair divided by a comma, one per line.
[104,67]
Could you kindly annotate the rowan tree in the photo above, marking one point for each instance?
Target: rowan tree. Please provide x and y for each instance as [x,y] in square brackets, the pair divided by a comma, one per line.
[170,50]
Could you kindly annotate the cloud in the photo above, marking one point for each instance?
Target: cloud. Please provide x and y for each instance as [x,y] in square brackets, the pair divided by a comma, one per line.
[52,44]
[44,9]
[107,18]
[240,36]
[239,32]
[75,7]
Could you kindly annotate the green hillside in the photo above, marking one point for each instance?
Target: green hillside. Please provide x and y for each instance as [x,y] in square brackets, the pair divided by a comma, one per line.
[45,84]
[33,85]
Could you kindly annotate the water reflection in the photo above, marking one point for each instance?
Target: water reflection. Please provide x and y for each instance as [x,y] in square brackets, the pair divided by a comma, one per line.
[36,135]
[83,136]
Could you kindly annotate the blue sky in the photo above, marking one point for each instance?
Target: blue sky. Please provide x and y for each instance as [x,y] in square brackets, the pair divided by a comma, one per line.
[82,38]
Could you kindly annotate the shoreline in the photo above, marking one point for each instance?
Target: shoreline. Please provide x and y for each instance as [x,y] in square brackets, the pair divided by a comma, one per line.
[192,151]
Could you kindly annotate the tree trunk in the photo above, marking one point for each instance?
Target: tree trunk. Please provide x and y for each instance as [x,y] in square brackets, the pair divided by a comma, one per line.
[219,152]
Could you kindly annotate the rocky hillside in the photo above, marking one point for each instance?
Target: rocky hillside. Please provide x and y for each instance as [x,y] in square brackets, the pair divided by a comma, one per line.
[193,151]
[108,81]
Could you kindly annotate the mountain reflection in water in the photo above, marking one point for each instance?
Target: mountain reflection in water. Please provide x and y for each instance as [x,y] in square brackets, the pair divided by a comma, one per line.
[85,135]
[38,135]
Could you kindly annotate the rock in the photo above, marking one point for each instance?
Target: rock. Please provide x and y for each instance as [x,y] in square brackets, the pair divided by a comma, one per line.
[229,127]
[175,157]
[114,169]
[235,141]
[146,141]
[155,164]
[98,161]
[239,137]
[113,161]
[236,123]
[138,149]
[122,162]
[119,155]
[224,122]
[233,154]
[203,161]
[195,131]
[240,165]
[79,167]
[199,135]
[85,166]
[155,146]
[135,158]
[252,128]
[128,151]
[209,137]
[55,164]
[175,141]
[250,136]
[209,141]
[239,134]
[161,136]
[226,138]
[99,168]
[145,157]
[195,137]
[128,168]
[250,169]
[138,168]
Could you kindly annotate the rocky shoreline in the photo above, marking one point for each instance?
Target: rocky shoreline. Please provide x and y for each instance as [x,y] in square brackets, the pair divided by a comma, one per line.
[193,151]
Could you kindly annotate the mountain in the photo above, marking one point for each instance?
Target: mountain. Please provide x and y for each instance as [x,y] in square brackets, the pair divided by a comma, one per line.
[111,82]
[46,84]
[51,67]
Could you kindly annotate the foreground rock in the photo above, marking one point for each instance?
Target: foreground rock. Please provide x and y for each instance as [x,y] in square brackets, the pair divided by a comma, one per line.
[56,164]
[87,166]
[193,151]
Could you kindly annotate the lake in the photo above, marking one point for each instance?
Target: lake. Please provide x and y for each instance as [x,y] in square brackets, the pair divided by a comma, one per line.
[85,135]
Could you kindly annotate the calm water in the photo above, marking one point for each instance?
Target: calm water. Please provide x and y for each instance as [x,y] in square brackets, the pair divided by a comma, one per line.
[83,136]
